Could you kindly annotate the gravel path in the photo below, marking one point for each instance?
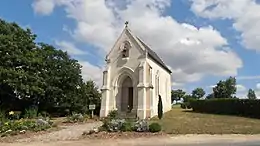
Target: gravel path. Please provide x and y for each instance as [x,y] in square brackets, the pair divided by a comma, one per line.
[72,132]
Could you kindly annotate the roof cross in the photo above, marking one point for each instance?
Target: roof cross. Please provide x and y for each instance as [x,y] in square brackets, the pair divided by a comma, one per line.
[126,24]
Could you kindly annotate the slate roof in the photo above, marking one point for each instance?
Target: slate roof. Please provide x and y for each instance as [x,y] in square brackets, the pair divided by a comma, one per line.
[154,56]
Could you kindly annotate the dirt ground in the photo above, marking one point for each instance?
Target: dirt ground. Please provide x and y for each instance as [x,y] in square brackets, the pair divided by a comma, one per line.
[202,140]
[72,136]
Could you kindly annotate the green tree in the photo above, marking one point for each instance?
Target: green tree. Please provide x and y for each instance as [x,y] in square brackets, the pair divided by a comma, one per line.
[210,96]
[91,95]
[187,97]
[198,93]
[19,64]
[36,74]
[177,94]
[225,89]
[251,94]
[160,108]
[61,76]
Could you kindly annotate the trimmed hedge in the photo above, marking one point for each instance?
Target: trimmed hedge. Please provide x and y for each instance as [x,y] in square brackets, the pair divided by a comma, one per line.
[228,106]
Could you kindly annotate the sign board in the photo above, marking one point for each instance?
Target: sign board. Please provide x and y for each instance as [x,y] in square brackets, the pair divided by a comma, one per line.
[92,106]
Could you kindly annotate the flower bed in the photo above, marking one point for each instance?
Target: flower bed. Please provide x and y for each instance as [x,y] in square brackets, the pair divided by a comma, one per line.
[116,127]
[15,127]
[77,118]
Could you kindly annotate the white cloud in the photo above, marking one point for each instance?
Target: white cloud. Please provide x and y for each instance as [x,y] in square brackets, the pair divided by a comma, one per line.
[257,90]
[240,88]
[247,77]
[44,7]
[211,86]
[91,72]
[69,47]
[244,14]
[191,52]
[258,86]
[177,85]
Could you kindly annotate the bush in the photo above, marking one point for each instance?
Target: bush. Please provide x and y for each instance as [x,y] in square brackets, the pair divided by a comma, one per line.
[141,126]
[183,106]
[75,118]
[127,126]
[155,127]
[43,114]
[114,125]
[160,108]
[30,113]
[113,114]
[21,126]
[228,106]
[14,115]
[2,116]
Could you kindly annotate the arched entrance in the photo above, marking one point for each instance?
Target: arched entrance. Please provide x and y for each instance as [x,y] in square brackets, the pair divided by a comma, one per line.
[127,94]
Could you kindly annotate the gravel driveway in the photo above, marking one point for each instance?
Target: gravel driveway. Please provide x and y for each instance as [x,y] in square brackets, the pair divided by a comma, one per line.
[71,132]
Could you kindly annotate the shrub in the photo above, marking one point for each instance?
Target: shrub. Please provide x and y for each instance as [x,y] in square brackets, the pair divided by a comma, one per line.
[114,125]
[183,106]
[113,114]
[2,116]
[127,126]
[188,106]
[30,113]
[75,118]
[14,115]
[141,126]
[228,106]
[43,114]
[160,107]
[20,126]
[155,127]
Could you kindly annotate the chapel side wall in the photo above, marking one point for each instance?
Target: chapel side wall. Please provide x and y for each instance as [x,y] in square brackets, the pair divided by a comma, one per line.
[164,87]
[116,65]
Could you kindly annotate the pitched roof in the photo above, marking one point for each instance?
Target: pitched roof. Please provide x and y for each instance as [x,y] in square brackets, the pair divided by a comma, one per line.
[154,56]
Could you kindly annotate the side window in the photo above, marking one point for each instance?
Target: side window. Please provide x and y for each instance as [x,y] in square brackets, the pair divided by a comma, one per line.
[157,83]
[151,75]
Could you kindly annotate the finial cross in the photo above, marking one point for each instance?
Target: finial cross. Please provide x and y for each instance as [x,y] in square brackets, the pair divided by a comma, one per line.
[126,24]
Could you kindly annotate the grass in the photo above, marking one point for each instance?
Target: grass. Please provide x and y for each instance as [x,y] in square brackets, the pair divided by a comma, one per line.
[179,121]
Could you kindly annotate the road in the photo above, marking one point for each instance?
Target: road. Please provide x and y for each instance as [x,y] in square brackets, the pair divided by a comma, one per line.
[183,140]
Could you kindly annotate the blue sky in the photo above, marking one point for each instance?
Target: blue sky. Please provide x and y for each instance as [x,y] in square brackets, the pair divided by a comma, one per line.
[59,26]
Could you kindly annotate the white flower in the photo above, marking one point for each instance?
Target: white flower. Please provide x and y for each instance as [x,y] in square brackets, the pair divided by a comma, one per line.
[8,131]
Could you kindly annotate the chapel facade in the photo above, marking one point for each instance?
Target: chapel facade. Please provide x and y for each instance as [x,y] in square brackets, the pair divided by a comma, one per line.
[134,78]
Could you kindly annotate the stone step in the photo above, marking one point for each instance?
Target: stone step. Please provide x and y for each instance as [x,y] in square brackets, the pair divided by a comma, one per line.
[127,115]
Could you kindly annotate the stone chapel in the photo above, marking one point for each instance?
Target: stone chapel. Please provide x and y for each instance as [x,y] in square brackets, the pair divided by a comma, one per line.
[134,78]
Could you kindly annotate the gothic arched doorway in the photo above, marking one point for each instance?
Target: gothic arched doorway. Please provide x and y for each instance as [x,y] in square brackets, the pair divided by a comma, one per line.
[127,94]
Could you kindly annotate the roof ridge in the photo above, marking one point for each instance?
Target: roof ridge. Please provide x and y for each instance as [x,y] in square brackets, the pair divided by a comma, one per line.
[154,55]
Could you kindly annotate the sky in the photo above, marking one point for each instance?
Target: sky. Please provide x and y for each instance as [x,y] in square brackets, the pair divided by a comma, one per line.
[202,41]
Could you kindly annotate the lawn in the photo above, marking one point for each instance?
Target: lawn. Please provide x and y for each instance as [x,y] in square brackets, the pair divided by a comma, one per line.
[179,121]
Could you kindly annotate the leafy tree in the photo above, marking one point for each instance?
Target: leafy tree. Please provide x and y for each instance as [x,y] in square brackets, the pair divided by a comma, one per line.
[198,93]
[251,94]
[160,108]
[225,89]
[62,78]
[91,95]
[177,94]
[39,75]
[187,97]
[210,96]
[19,64]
